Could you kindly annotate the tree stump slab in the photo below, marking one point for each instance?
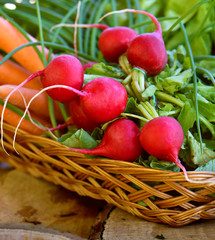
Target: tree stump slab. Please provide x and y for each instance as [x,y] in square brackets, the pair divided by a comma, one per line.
[35,205]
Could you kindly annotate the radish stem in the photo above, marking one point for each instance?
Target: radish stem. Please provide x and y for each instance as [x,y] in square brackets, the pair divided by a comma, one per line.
[154,20]
[99,26]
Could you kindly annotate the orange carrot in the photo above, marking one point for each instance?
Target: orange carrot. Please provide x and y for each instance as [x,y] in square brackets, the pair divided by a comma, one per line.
[10,39]
[13,73]
[13,119]
[38,106]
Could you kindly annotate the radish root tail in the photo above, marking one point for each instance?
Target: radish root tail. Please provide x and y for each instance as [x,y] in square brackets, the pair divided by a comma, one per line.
[153,18]
[35,96]
[33,122]
[178,163]
[31,77]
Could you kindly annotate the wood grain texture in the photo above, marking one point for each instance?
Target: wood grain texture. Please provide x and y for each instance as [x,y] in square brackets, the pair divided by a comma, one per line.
[22,234]
[33,209]
[34,204]
[122,225]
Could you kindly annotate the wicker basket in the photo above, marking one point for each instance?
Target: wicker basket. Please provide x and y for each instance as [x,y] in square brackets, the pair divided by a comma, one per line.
[166,196]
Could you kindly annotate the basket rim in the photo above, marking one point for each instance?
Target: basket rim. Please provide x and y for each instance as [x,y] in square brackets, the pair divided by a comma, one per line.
[101,160]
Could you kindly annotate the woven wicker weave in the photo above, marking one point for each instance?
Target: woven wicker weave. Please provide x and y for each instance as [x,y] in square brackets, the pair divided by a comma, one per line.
[168,198]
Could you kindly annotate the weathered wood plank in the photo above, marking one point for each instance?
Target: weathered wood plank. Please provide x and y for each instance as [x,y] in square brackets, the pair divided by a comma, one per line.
[32,208]
[22,234]
[122,225]
[35,204]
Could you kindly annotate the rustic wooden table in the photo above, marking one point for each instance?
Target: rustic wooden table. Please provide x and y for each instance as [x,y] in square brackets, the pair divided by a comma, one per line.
[33,209]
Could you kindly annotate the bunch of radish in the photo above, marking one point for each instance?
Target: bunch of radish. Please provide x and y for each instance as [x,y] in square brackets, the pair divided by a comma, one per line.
[103,99]
[162,137]
[120,142]
[146,51]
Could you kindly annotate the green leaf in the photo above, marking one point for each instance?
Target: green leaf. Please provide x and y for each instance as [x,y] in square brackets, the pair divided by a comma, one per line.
[206,108]
[164,165]
[131,106]
[187,117]
[209,64]
[207,92]
[105,70]
[194,155]
[197,12]
[210,166]
[79,139]
[210,143]
[97,133]
[158,164]
[178,8]
[173,84]
[202,45]
[168,110]
[149,92]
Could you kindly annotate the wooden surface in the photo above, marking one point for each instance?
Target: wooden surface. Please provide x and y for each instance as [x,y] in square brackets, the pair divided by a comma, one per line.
[23,234]
[34,204]
[33,209]
[122,225]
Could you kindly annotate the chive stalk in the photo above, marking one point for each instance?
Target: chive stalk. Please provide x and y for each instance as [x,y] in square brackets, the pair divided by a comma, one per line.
[193,67]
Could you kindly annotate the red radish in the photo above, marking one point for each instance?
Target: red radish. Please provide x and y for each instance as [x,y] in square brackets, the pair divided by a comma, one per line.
[70,122]
[79,118]
[62,70]
[113,41]
[102,99]
[162,137]
[146,51]
[120,142]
